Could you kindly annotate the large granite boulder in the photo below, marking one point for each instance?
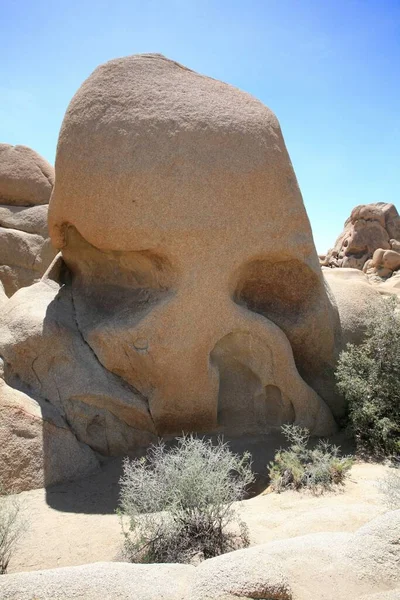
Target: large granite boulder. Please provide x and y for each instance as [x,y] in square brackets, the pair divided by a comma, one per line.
[327,566]
[26,179]
[26,183]
[108,581]
[37,447]
[370,242]
[355,297]
[171,199]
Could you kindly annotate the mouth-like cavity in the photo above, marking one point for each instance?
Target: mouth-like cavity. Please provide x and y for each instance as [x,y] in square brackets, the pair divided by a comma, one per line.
[260,388]
[249,397]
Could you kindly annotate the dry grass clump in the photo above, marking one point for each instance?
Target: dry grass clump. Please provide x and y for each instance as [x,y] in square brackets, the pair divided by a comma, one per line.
[12,527]
[180,502]
[317,469]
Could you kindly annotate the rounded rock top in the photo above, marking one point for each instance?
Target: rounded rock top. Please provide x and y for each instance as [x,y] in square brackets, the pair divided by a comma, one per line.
[26,178]
[147,144]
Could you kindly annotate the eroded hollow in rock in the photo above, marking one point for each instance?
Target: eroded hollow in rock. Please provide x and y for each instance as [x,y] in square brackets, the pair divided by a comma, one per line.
[245,403]
[287,293]
[281,291]
[114,287]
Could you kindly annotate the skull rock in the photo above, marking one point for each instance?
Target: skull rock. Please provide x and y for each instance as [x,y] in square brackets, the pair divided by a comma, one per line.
[194,273]
[189,295]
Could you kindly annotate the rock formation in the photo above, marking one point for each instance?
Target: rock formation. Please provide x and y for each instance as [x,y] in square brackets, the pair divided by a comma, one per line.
[187,295]
[364,261]
[370,241]
[354,296]
[26,183]
[37,447]
[364,565]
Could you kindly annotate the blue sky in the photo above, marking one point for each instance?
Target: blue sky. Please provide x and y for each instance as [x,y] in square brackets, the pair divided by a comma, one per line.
[330,70]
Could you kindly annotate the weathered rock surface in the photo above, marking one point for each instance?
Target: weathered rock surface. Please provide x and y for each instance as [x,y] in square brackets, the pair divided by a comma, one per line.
[324,566]
[111,581]
[390,595]
[370,241]
[30,219]
[333,566]
[382,265]
[210,171]
[26,179]
[3,295]
[354,296]
[37,448]
[26,183]
[38,333]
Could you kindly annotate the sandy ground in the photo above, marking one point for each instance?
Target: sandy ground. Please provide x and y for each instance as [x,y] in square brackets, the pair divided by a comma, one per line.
[75,523]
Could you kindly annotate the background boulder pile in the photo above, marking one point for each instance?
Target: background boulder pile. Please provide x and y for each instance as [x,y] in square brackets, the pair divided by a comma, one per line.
[26,183]
[370,241]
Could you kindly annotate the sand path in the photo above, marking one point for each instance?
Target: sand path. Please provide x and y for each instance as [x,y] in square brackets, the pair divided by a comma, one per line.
[75,523]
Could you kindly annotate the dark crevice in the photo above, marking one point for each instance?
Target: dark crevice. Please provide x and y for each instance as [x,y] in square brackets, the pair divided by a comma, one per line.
[35,372]
[121,381]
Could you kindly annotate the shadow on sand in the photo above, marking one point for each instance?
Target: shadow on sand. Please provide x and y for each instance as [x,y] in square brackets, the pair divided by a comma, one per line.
[98,493]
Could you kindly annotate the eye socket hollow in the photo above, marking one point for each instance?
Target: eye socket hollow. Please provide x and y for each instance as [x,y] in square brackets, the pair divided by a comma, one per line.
[280,291]
[110,283]
[113,268]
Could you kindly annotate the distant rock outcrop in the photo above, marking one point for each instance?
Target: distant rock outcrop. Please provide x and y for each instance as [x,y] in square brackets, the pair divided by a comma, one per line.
[26,179]
[26,183]
[370,241]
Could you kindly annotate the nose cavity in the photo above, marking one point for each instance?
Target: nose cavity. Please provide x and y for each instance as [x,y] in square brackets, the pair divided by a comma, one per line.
[249,399]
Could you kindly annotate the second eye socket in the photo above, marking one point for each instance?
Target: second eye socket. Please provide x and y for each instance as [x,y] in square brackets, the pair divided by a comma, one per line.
[281,291]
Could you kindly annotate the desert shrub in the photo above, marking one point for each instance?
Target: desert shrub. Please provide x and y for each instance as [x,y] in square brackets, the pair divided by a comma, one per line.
[180,502]
[390,488]
[299,466]
[12,526]
[368,375]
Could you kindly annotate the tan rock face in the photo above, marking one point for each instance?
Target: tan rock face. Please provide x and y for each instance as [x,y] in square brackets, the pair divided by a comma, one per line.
[330,566]
[189,278]
[354,296]
[46,358]
[37,448]
[26,183]
[26,179]
[176,193]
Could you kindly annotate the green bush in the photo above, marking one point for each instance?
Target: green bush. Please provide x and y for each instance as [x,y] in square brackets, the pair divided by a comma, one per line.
[299,466]
[179,503]
[12,527]
[368,375]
